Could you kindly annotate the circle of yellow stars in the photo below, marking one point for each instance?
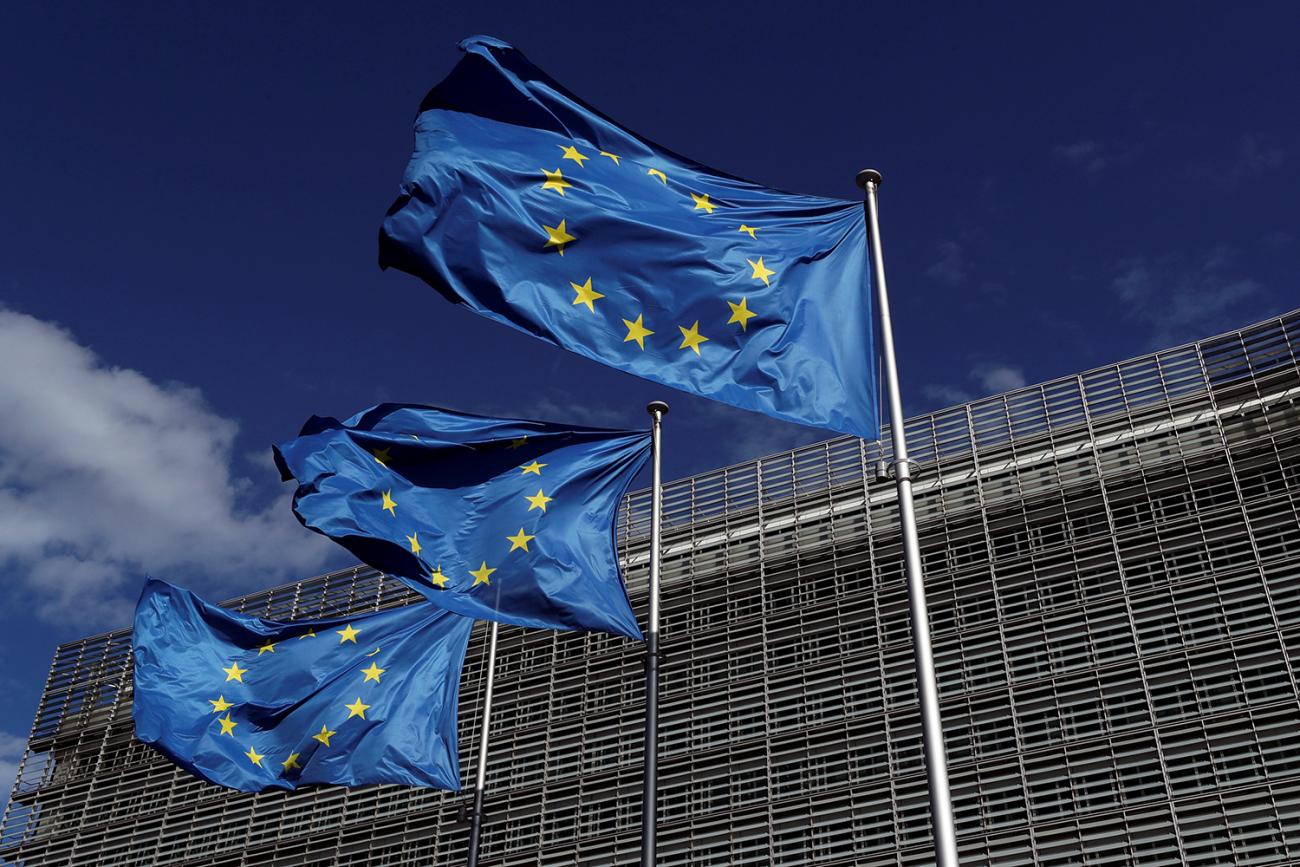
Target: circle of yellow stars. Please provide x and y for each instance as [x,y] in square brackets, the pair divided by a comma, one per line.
[234,672]
[482,576]
[559,236]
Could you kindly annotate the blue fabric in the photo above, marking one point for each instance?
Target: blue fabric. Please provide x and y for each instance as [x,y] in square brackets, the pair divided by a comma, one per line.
[674,247]
[381,688]
[496,519]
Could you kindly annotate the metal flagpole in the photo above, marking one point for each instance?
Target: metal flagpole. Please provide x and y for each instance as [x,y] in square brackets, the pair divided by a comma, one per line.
[649,820]
[476,816]
[936,758]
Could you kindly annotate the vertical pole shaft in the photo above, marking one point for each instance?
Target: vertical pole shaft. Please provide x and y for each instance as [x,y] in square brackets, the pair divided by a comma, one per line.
[936,758]
[480,781]
[649,812]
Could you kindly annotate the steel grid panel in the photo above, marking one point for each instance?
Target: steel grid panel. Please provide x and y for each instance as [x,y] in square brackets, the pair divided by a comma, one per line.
[1111,565]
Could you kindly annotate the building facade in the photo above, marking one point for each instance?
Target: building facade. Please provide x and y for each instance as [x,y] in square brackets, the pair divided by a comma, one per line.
[1113,567]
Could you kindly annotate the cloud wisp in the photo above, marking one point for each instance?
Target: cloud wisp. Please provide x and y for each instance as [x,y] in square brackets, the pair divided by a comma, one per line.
[996,378]
[1092,157]
[1255,157]
[983,379]
[106,475]
[950,267]
[1180,299]
[11,750]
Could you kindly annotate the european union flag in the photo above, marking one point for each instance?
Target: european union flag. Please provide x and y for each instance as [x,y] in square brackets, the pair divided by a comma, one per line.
[532,208]
[496,519]
[257,704]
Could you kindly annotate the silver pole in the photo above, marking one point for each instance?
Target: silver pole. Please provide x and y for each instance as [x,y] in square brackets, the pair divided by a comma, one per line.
[936,758]
[476,817]
[649,820]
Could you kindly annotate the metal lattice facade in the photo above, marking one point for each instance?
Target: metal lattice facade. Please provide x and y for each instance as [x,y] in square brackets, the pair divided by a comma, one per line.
[1113,563]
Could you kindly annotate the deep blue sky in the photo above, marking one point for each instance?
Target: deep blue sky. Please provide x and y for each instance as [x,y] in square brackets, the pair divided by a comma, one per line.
[193,192]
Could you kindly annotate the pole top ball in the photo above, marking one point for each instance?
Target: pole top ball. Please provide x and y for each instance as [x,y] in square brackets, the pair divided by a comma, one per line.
[656,407]
[869,176]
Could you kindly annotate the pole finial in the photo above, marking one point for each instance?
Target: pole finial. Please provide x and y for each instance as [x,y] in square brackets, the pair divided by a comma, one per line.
[657,407]
[869,176]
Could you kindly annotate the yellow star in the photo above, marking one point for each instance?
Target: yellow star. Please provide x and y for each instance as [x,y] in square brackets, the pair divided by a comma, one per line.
[702,203]
[655,173]
[519,541]
[324,735]
[310,633]
[254,756]
[269,647]
[373,652]
[389,505]
[535,468]
[750,229]
[219,704]
[741,313]
[517,443]
[347,633]
[555,181]
[235,672]
[572,153]
[437,579]
[539,501]
[357,709]
[382,456]
[558,236]
[761,271]
[586,295]
[292,762]
[481,575]
[414,542]
[227,725]
[373,672]
[637,331]
[691,337]
[613,157]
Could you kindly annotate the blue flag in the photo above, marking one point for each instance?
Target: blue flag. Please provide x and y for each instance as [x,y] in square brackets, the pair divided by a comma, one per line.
[496,519]
[530,207]
[257,704]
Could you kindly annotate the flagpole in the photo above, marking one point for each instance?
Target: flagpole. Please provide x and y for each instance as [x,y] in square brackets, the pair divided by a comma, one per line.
[936,759]
[649,812]
[476,816]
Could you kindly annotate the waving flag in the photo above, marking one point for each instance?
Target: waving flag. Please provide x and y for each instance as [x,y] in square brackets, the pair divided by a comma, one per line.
[257,704]
[496,519]
[528,206]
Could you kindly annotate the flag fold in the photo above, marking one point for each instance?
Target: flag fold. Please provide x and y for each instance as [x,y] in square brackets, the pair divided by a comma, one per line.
[496,519]
[533,209]
[256,704]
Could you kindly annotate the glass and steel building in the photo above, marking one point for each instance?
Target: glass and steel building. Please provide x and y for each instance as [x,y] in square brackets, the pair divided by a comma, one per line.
[1113,565]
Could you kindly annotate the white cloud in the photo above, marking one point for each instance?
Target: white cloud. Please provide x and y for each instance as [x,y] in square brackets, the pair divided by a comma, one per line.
[1084,154]
[998,377]
[106,476]
[1181,300]
[986,378]
[946,395]
[951,268]
[1091,157]
[1254,157]
[11,750]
